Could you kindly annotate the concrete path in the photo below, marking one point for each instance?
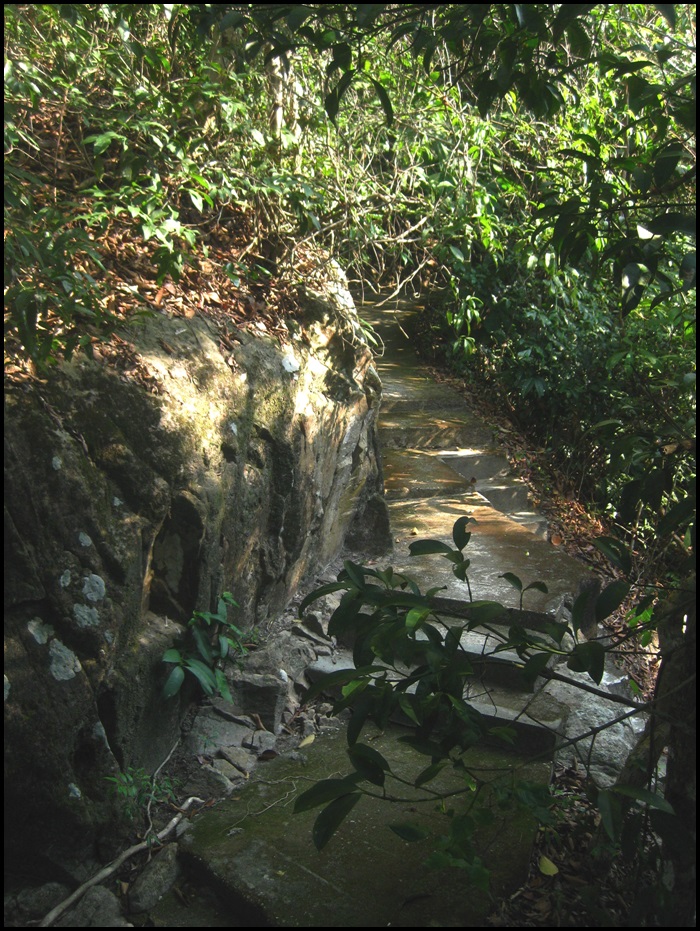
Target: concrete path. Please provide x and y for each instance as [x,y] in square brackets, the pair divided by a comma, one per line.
[440,464]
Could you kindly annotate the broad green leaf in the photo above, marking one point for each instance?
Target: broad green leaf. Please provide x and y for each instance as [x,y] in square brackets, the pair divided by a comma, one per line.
[343,676]
[483,612]
[222,685]
[641,794]
[319,593]
[203,645]
[459,532]
[687,271]
[369,763]
[409,832]
[506,734]
[610,814]
[203,674]
[538,587]
[355,573]
[172,656]
[174,682]
[616,552]
[416,616]
[668,11]
[427,547]
[429,773]
[332,817]
[672,222]
[323,792]
[588,657]
[406,705]
[385,102]
[513,580]
[534,666]
[426,747]
[611,598]
[332,101]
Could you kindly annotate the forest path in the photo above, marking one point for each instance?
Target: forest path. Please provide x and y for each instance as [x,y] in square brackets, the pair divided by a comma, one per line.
[440,464]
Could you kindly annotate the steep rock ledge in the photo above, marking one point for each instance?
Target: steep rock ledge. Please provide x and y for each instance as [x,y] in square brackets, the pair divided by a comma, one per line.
[132,500]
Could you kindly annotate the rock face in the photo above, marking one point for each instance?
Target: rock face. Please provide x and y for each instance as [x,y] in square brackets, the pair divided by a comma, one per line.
[135,497]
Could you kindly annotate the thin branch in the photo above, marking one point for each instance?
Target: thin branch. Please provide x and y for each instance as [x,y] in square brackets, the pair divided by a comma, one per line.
[112,867]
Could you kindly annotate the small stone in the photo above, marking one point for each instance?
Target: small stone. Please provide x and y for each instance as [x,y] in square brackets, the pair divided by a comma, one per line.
[156,879]
[98,908]
[241,759]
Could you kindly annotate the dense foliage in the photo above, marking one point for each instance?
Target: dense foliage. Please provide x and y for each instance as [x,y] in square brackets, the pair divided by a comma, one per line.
[535,163]
[532,164]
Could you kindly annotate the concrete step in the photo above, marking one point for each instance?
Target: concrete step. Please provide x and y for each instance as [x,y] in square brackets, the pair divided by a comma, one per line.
[509,495]
[414,429]
[480,464]
[410,473]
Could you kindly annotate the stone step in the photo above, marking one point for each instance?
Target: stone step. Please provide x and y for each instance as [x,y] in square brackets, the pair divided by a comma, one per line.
[509,495]
[410,473]
[480,464]
[415,429]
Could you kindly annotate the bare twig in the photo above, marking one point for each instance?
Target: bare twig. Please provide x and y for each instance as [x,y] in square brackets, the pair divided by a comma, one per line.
[112,867]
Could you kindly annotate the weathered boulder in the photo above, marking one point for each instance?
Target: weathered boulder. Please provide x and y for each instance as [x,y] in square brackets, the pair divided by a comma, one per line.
[137,495]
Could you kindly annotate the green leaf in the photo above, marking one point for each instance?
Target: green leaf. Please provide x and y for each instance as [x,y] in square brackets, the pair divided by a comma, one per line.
[459,533]
[332,817]
[483,612]
[342,677]
[671,222]
[174,682]
[427,547]
[611,598]
[355,573]
[416,616]
[409,832]
[203,674]
[588,657]
[332,101]
[323,792]
[429,773]
[369,763]
[172,656]
[687,271]
[385,102]
[616,552]
[222,686]
[513,580]
[203,645]
[610,814]
[534,666]
[538,587]
[319,593]
[646,796]
[546,867]
[668,11]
